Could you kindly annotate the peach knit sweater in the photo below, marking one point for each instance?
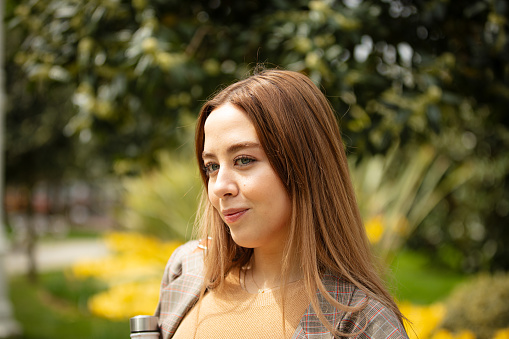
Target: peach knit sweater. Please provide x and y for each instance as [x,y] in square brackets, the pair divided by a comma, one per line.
[235,313]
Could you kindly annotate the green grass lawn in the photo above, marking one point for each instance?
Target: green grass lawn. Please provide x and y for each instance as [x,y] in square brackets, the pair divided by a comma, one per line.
[417,279]
[56,307]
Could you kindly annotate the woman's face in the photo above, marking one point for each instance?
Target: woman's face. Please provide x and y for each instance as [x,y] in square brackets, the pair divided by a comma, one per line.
[242,186]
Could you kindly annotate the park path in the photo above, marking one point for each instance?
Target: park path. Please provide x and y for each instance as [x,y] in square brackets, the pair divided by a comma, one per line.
[57,254]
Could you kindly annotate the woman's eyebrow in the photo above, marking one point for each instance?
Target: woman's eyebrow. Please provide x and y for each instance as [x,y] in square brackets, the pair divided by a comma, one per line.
[240,146]
[234,148]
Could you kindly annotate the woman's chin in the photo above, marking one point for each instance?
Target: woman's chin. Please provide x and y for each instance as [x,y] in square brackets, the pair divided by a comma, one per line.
[243,241]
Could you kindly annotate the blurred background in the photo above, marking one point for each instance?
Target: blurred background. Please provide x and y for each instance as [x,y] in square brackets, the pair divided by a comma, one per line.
[98,111]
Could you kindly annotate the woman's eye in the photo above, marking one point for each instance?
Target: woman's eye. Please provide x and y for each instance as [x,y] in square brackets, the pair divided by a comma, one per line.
[210,168]
[242,161]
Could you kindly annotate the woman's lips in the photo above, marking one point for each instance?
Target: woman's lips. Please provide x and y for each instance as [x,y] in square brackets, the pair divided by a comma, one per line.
[230,216]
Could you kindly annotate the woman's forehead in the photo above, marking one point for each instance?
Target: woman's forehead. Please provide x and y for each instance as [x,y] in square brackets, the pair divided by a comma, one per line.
[227,126]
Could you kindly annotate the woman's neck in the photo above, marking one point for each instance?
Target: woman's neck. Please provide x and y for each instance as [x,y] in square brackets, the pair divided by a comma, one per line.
[265,271]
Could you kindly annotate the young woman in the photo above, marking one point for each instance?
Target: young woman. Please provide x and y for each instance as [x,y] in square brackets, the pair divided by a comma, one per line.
[286,252]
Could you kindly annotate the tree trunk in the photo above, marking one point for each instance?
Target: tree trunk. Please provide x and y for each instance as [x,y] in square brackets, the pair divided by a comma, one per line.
[8,326]
[31,239]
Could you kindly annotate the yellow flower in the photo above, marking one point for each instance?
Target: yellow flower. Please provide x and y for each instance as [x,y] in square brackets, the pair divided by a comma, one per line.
[424,319]
[126,300]
[443,334]
[134,255]
[375,229]
[133,273]
[502,334]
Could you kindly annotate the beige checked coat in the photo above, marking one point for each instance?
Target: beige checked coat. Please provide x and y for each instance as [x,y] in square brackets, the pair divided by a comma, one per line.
[183,278]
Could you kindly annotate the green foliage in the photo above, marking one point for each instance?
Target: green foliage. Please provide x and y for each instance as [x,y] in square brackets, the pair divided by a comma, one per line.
[137,66]
[467,229]
[163,201]
[35,133]
[74,291]
[402,188]
[480,306]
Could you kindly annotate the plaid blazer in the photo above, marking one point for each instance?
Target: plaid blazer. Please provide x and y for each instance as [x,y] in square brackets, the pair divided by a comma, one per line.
[183,279]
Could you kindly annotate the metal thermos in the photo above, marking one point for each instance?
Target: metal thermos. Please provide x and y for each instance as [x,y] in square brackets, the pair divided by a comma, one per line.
[144,327]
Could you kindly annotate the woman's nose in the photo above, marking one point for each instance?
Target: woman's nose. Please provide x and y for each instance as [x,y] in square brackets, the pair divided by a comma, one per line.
[225,183]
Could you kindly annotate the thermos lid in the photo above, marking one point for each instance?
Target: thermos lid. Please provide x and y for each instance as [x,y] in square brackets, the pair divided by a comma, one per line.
[144,323]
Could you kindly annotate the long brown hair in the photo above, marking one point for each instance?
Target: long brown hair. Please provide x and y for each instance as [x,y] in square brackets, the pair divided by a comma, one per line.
[299,133]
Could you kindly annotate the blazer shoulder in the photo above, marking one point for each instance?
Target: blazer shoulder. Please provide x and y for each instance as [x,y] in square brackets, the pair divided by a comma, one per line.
[182,259]
[374,320]
[180,287]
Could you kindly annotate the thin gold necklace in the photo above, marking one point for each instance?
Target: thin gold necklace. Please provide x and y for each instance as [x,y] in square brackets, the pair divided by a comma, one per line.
[261,290]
